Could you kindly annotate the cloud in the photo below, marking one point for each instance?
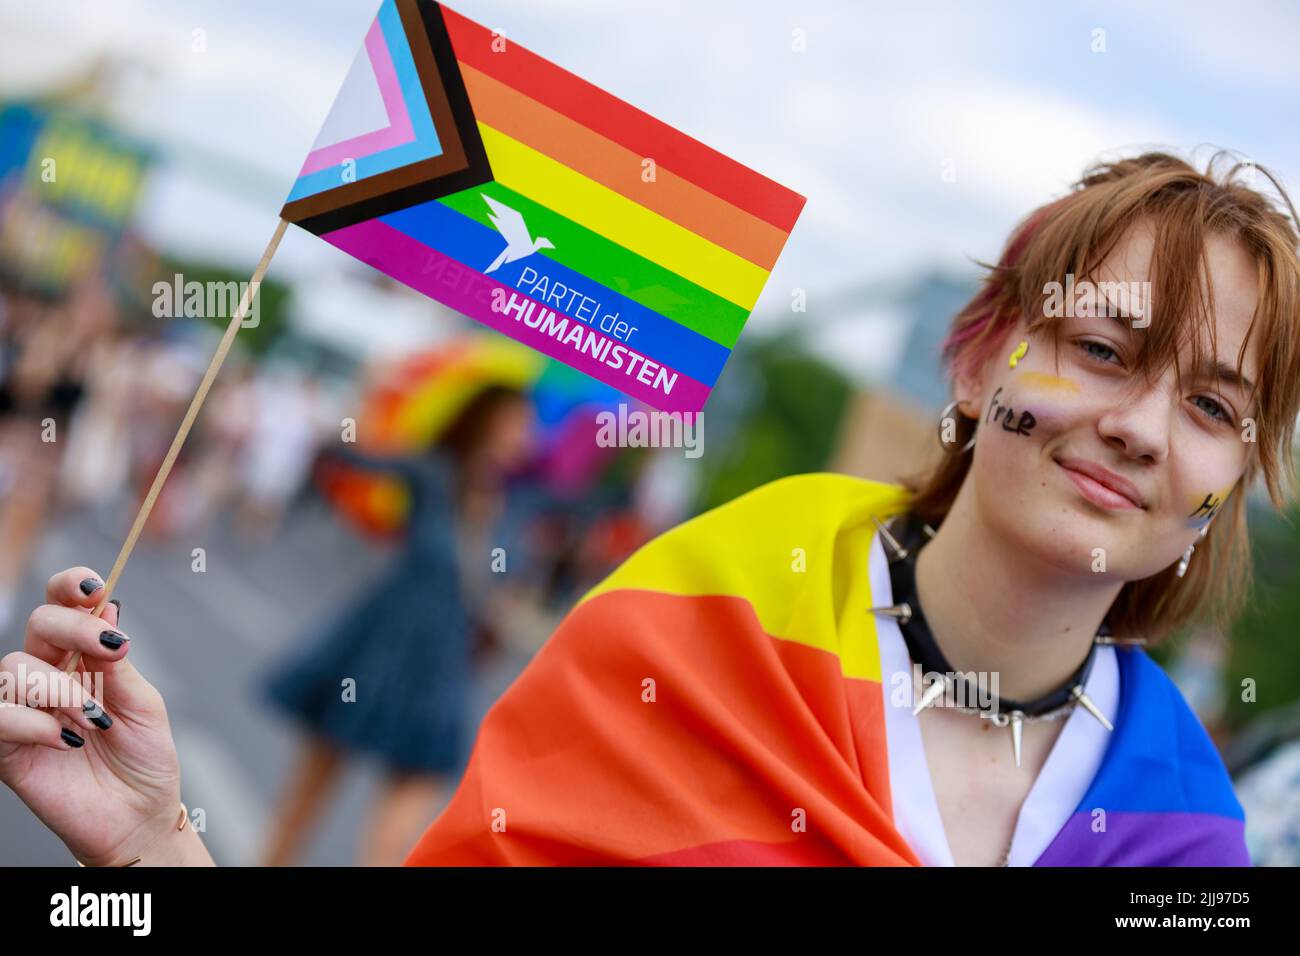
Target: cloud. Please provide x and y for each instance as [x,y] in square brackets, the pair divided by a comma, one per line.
[864,122]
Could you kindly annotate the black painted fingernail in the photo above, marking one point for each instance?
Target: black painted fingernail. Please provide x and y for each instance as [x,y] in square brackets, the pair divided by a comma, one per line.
[117,604]
[71,738]
[95,714]
[112,640]
[91,585]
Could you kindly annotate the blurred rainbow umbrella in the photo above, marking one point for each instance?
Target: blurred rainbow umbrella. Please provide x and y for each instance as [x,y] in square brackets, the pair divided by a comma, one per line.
[408,407]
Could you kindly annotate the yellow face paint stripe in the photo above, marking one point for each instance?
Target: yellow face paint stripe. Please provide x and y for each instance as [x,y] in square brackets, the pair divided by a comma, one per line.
[1215,499]
[1050,382]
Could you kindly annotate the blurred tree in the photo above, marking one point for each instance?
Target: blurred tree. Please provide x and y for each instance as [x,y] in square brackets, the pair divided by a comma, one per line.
[274,300]
[1263,645]
[786,424]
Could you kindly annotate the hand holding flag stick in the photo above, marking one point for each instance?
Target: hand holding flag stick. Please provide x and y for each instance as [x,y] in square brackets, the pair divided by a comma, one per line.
[516,193]
[245,303]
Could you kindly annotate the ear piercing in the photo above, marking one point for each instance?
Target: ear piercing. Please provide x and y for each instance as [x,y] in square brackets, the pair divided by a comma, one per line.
[1186,559]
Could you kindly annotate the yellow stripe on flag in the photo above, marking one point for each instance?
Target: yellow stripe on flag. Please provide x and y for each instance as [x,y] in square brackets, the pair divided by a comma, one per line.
[796,550]
[619,219]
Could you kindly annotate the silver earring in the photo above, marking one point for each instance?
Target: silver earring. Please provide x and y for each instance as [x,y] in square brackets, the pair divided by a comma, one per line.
[943,417]
[1186,559]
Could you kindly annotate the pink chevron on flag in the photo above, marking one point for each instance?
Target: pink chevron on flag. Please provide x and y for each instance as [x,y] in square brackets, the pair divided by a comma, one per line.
[399,129]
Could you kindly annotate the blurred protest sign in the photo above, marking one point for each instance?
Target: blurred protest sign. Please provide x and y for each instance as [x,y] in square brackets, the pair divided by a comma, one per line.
[68,190]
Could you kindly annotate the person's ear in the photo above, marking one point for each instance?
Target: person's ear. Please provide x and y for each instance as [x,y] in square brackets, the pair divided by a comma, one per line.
[973,387]
[970,388]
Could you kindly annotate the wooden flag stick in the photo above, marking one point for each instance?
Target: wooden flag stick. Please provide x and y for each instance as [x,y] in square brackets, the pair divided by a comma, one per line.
[196,403]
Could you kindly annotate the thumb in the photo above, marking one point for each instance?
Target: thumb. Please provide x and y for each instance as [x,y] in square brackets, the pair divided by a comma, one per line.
[112,613]
[128,695]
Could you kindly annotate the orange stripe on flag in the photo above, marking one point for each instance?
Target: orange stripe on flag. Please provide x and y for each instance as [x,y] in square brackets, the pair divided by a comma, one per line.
[622,122]
[752,748]
[599,158]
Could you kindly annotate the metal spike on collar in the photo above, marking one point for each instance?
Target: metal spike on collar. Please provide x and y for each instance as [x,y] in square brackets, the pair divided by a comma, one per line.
[903,612]
[1017,726]
[1086,703]
[896,550]
[932,693]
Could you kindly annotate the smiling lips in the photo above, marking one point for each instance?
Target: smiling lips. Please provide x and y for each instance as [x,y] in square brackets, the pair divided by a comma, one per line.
[1102,487]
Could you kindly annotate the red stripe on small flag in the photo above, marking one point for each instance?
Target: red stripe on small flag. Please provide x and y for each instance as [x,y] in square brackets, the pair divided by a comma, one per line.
[623,123]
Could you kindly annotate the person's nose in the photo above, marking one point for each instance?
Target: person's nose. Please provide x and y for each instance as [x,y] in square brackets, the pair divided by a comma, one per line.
[1138,424]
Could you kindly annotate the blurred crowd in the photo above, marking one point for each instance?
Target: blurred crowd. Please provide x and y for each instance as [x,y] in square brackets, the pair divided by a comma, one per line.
[89,404]
[87,411]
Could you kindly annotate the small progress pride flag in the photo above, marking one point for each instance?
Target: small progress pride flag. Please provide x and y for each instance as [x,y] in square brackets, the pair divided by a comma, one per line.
[491,180]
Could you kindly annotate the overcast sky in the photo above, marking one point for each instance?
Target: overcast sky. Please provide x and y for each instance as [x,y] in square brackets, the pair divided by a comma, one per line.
[1010,98]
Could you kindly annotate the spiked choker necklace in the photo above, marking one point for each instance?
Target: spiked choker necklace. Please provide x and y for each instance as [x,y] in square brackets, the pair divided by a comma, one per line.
[925,651]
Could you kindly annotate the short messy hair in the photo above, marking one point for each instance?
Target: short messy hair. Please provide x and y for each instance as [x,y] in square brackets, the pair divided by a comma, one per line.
[1073,235]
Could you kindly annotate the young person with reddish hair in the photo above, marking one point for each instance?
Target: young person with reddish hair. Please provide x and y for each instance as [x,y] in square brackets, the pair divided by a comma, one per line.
[828,670]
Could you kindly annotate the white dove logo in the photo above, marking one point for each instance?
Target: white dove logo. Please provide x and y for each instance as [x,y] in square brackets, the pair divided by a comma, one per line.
[519,243]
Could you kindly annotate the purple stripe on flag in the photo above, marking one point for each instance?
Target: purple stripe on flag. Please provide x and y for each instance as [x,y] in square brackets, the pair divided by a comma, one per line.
[397,132]
[1149,839]
[469,291]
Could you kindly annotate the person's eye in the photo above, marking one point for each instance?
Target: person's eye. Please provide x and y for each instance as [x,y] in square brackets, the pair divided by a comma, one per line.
[1215,409]
[1102,351]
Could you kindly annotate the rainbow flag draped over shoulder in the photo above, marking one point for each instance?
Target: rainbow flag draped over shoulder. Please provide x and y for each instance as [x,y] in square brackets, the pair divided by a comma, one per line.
[505,187]
[718,700]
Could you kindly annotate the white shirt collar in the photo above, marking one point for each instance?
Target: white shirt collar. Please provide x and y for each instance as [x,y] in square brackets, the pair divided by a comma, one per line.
[1070,767]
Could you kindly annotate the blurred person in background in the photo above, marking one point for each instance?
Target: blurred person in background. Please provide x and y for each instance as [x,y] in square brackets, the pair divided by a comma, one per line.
[168,368]
[392,677]
[289,421]
[222,445]
[97,465]
[1267,778]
